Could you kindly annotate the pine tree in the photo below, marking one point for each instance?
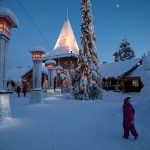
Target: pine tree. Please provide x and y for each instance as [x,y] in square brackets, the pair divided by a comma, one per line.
[88,77]
[125,51]
[68,86]
[116,55]
[68,83]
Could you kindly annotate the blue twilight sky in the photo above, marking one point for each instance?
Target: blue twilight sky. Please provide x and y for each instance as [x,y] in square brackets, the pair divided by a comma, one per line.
[113,20]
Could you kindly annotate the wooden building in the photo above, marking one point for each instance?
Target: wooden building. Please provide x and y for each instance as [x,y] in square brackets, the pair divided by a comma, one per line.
[27,77]
[124,76]
[65,53]
[123,84]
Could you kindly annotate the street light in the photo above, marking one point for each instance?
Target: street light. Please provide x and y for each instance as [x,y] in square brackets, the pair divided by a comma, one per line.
[37,54]
[36,92]
[50,64]
[8,20]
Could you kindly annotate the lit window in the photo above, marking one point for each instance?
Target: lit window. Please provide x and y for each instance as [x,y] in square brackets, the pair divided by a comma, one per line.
[5,27]
[135,83]
[37,55]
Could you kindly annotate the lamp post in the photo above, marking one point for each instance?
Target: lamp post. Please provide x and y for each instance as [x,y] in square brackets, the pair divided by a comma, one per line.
[7,21]
[36,92]
[58,80]
[50,64]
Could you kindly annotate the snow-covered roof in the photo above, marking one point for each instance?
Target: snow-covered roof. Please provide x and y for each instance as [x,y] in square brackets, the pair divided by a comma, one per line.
[5,12]
[58,67]
[138,72]
[116,69]
[43,70]
[66,42]
[50,62]
[16,73]
[35,49]
[59,55]
[113,69]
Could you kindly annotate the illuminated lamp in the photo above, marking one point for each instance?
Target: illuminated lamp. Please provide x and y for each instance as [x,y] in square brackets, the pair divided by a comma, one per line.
[58,69]
[37,54]
[50,64]
[36,91]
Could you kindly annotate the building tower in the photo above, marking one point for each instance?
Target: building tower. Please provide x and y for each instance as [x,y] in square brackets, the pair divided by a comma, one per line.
[66,49]
[65,52]
[66,41]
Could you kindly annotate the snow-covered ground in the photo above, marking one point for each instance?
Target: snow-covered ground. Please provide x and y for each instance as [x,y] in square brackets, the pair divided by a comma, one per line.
[74,125]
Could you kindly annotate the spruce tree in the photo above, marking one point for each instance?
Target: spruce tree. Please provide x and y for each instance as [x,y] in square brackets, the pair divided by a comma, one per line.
[125,51]
[68,86]
[116,55]
[88,77]
[68,83]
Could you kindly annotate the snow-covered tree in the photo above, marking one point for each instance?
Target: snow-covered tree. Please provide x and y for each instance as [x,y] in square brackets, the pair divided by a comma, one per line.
[88,83]
[116,55]
[67,86]
[125,51]
[67,83]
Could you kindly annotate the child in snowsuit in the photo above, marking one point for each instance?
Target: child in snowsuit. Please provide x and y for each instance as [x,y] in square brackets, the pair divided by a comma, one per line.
[128,119]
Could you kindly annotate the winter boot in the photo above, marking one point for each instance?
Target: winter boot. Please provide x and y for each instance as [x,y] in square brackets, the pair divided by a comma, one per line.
[136,136]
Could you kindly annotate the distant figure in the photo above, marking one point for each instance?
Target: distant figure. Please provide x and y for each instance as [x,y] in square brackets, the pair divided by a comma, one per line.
[9,87]
[24,90]
[128,119]
[18,90]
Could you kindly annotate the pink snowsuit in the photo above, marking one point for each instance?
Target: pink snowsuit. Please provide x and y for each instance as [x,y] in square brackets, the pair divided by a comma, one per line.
[128,120]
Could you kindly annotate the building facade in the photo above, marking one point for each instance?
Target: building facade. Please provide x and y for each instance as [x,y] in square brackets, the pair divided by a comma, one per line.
[65,53]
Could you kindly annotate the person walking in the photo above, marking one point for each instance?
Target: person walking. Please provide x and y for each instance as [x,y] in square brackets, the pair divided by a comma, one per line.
[18,90]
[128,119]
[24,90]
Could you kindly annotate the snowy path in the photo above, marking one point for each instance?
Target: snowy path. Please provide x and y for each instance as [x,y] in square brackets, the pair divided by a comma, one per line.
[71,125]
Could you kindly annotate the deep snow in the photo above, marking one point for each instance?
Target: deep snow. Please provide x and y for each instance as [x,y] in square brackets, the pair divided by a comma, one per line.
[73,125]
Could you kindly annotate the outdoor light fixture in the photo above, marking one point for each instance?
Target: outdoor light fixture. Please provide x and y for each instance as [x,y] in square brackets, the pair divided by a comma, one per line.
[8,20]
[5,27]
[50,64]
[36,91]
[58,69]
[37,54]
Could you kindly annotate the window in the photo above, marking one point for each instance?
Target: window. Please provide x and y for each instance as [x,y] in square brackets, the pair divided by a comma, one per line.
[5,27]
[135,83]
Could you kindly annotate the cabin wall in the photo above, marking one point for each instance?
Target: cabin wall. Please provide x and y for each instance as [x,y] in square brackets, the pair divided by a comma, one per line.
[67,63]
[124,84]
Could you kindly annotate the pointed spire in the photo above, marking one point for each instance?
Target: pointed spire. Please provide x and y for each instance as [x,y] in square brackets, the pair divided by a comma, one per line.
[66,41]
[67,14]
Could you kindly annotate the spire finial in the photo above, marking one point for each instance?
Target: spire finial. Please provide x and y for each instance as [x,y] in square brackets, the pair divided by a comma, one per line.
[67,14]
